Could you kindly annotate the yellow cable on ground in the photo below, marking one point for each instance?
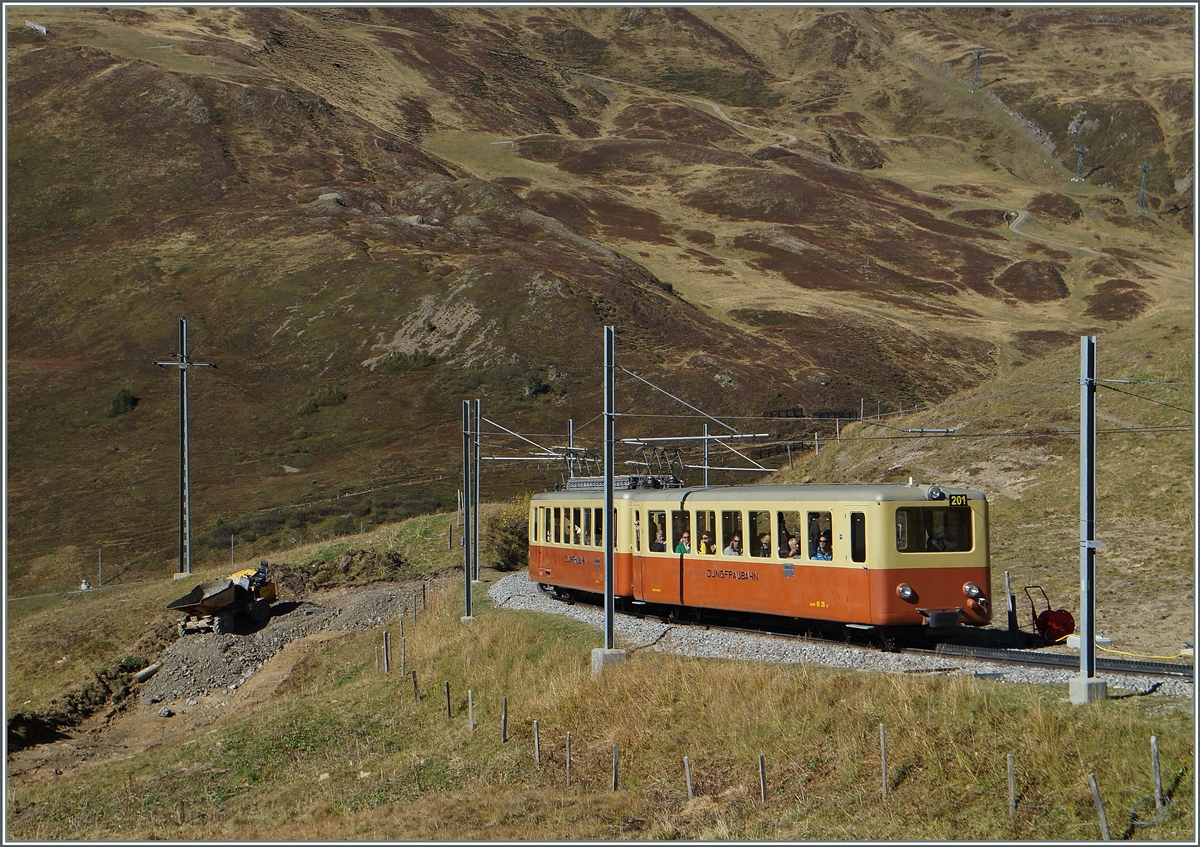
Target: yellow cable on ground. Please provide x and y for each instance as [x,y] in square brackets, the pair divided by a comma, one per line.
[1139,655]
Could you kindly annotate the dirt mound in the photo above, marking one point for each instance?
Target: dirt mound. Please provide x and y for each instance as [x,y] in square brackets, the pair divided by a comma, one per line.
[210,664]
[354,567]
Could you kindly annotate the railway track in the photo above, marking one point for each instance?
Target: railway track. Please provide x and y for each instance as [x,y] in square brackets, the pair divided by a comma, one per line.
[995,655]
[1062,660]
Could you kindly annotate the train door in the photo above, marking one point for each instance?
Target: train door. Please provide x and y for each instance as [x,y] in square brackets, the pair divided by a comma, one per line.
[849,566]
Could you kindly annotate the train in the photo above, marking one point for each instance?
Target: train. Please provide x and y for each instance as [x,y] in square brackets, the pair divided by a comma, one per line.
[897,560]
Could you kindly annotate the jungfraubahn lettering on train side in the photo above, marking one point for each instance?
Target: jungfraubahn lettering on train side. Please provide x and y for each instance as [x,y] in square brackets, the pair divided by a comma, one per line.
[721,573]
[578,560]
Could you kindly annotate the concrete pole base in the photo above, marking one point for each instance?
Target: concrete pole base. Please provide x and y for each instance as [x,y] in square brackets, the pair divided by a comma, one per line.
[1087,689]
[467,618]
[182,575]
[603,658]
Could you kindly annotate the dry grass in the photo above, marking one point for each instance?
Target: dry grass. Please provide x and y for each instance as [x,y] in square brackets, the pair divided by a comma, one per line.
[402,771]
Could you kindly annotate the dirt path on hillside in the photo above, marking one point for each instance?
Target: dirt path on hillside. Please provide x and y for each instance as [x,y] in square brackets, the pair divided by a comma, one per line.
[208,676]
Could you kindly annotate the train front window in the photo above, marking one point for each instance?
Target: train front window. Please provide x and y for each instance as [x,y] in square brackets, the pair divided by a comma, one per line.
[933,529]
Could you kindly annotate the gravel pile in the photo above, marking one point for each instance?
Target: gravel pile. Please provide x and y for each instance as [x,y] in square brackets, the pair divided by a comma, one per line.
[517,592]
[208,664]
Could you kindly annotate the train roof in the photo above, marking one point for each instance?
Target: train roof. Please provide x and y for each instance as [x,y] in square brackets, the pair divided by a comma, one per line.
[811,492]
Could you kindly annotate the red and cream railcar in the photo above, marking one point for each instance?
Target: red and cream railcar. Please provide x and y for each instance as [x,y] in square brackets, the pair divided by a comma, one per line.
[902,555]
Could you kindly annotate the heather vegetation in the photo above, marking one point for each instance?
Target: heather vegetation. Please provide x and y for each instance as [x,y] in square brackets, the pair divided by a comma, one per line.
[862,220]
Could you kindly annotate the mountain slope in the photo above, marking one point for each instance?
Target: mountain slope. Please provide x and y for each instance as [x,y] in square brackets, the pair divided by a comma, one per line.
[370,215]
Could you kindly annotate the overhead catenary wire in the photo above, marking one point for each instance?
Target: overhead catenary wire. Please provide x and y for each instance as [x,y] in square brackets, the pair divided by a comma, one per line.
[1147,399]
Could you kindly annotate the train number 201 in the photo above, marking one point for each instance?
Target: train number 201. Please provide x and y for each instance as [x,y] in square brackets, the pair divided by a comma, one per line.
[957,499]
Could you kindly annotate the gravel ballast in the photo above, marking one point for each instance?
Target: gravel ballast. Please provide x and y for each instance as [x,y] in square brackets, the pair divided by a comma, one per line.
[207,664]
[516,591]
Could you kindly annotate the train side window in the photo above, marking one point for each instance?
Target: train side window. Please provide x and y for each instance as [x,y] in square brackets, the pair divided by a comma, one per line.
[858,537]
[819,522]
[902,529]
[731,525]
[680,523]
[576,527]
[557,525]
[788,525]
[706,524]
[658,524]
[760,525]
[587,526]
[598,523]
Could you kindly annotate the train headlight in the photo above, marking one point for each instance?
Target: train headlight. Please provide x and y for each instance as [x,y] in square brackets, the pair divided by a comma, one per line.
[935,493]
[905,591]
[972,591]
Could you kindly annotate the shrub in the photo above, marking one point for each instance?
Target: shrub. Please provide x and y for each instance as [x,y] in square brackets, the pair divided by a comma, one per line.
[122,403]
[328,396]
[506,537]
[401,362]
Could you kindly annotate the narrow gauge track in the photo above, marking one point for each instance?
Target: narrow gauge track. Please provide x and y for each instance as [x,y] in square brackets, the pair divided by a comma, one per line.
[792,630]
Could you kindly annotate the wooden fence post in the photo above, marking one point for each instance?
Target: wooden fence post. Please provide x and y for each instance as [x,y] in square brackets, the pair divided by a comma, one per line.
[883,757]
[687,772]
[1099,807]
[616,759]
[537,746]
[762,776]
[448,699]
[1012,785]
[387,652]
[376,658]
[416,691]
[1158,795]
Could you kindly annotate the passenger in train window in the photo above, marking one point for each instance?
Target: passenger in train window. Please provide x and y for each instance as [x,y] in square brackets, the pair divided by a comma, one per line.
[735,547]
[824,552]
[705,548]
[659,544]
[685,543]
[764,546]
[793,548]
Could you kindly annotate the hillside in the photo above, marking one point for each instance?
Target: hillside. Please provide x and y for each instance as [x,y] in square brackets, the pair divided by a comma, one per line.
[370,215]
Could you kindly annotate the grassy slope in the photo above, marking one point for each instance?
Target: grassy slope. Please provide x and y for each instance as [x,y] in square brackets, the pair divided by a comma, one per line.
[399,770]
[282,273]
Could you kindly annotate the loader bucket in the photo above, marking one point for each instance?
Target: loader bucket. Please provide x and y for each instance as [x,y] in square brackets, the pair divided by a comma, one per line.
[206,598]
